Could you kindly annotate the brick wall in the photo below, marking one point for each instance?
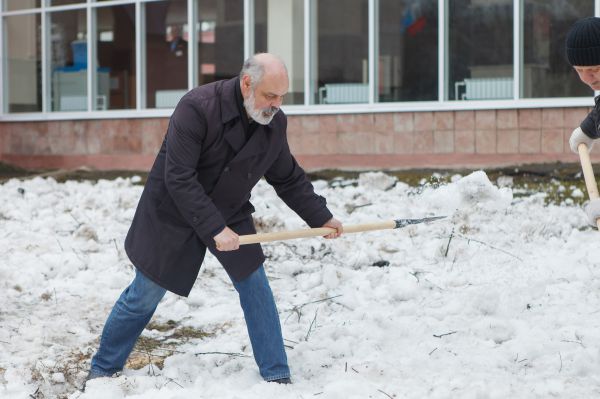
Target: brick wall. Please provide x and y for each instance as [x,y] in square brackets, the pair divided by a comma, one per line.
[448,139]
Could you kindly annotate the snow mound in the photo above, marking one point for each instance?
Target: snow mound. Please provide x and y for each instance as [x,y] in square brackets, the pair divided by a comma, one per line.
[376,180]
[472,191]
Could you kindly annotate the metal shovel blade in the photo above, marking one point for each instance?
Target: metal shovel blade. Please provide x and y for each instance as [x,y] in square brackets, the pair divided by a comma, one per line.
[400,223]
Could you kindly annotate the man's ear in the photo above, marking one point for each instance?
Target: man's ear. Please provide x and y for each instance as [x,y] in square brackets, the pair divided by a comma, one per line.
[246,82]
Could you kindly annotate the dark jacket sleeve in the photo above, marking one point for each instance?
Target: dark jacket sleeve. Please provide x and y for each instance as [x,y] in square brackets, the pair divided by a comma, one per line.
[590,124]
[295,189]
[187,129]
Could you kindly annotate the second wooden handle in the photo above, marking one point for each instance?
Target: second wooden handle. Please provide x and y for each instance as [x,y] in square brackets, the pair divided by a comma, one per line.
[588,174]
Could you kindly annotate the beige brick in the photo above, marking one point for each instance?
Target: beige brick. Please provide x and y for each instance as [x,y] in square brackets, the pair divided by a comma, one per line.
[383,142]
[423,142]
[553,118]
[355,143]
[530,118]
[507,119]
[508,141]
[404,122]
[383,122]
[311,143]
[443,141]
[485,120]
[464,120]
[485,141]
[310,123]
[404,142]
[464,141]
[294,124]
[530,141]
[423,121]
[444,120]
[327,123]
[552,141]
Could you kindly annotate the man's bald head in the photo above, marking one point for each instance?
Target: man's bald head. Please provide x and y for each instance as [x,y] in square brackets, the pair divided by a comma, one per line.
[261,64]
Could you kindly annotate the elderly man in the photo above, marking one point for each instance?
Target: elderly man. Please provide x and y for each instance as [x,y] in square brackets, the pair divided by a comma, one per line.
[583,53]
[222,138]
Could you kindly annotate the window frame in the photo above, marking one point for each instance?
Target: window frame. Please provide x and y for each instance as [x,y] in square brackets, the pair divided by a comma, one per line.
[441,104]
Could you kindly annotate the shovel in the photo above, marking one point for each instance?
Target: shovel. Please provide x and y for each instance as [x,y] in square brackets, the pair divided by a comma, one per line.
[588,174]
[323,231]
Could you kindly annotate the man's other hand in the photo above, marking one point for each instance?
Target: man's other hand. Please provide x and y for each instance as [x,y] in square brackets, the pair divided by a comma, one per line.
[335,224]
[227,240]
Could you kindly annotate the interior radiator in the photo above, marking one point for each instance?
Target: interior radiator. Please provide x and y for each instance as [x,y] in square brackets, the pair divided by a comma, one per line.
[344,93]
[168,98]
[484,89]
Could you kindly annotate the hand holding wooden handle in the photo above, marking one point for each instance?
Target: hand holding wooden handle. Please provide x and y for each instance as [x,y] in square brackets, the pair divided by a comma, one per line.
[588,174]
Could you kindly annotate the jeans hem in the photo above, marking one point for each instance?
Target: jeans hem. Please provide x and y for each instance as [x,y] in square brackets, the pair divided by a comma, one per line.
[278,377]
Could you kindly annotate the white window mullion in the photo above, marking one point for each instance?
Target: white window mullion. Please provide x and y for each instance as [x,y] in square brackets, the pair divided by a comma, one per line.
[248,28]
[597,8]
[45,41]
[517,48]
[3,57]
[442,48]
[192,44]
[140,55]
[313,50]
[307,55]
[373,47]
[91,60]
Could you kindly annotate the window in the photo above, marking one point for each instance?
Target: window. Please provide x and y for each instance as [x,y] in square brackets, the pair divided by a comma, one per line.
[65,2]
[408,50]
[279,29]
[546,71]
[220,35]
[14,5]
[166,53]
[23,73]
[68,60]
[340,54]
[116,73]
[480,50]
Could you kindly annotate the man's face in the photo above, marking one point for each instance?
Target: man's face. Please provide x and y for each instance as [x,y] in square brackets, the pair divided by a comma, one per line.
[264,101]
[590,75]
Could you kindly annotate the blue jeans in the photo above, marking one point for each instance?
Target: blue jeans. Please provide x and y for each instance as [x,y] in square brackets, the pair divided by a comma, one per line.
[137,304]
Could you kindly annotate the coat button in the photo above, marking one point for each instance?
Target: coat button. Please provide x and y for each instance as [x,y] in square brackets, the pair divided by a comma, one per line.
[195,219]
[226,169]
[249,175]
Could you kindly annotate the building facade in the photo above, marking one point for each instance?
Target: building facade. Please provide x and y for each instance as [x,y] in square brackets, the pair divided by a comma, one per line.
[389,84]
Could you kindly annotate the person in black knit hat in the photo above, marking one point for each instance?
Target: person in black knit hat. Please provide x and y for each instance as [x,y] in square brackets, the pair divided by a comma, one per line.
[583,53]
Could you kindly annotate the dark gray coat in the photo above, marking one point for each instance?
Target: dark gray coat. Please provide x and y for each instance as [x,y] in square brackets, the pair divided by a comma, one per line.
[201,181]
[591,124]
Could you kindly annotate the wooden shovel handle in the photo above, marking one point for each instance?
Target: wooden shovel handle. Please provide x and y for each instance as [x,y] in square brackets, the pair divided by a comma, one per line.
[315,232]
[588,174]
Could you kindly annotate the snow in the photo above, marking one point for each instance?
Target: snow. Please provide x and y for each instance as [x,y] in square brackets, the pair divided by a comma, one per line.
[498,300]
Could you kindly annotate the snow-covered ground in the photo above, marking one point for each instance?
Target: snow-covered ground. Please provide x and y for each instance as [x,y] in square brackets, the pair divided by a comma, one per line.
[499,300]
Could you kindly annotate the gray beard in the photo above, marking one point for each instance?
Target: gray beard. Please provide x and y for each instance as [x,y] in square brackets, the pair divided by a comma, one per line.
[263,116]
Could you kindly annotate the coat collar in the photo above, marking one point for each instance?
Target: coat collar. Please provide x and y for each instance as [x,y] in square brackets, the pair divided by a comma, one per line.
[229,109]
[234,132]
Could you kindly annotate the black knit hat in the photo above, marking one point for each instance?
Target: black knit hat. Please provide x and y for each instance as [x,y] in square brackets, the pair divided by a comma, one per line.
[583,42]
